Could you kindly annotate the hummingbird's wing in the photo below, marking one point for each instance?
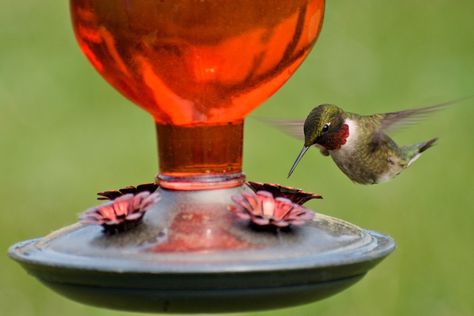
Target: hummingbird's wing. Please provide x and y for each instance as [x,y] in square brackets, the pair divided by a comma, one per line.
[390,121]
[293,128]
[394,120]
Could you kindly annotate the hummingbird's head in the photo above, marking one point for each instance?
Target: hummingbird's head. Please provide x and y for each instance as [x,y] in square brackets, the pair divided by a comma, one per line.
[325,127]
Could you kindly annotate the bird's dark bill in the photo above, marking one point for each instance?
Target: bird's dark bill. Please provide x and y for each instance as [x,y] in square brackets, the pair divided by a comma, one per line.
[301,154]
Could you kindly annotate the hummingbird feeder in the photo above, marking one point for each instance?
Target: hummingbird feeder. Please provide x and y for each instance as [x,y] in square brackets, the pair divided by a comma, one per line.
[200,239]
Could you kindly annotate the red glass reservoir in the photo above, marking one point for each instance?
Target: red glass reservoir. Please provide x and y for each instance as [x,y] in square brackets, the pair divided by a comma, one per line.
[197,64]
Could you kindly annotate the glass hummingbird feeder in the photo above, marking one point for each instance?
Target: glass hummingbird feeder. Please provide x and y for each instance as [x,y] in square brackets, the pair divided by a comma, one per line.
[203,242]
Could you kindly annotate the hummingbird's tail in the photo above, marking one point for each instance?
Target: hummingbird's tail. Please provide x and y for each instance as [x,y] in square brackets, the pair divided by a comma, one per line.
[413,152]
[424,146]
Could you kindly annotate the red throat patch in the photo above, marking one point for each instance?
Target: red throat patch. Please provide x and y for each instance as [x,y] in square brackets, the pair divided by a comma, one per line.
[336,140]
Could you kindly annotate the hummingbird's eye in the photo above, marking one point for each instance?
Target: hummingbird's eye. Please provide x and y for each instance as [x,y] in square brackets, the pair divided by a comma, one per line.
[325,128]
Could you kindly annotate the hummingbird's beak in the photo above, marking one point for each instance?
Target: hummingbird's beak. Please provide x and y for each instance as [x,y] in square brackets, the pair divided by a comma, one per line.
[302,152]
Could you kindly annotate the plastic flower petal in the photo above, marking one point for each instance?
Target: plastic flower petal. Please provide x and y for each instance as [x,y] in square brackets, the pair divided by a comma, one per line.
[113,194]
[295,195]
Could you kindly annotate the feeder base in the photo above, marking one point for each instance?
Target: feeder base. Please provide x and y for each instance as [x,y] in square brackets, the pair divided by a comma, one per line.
[191,256]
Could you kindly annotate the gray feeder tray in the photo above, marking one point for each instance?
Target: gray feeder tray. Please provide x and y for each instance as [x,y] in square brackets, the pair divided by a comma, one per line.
[191,255]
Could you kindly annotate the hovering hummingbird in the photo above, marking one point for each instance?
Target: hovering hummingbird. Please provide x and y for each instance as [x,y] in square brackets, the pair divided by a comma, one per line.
[358,144]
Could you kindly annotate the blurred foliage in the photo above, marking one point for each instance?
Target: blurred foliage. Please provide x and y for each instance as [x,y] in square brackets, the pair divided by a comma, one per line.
[65,134]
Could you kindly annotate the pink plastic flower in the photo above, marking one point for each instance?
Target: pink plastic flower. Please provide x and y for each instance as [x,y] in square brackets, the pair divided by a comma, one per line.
[122,213]
[295,195]
[264,210]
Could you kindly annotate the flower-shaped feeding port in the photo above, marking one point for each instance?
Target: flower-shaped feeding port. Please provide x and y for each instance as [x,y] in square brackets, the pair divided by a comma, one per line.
[263,209]
[295,195]
[113,194]
[121,214]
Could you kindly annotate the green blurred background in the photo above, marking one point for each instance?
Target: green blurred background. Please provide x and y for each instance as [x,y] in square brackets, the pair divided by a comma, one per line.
[65,134]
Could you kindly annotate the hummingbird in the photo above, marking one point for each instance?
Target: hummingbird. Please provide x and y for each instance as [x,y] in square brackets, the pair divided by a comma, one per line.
[359,144]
